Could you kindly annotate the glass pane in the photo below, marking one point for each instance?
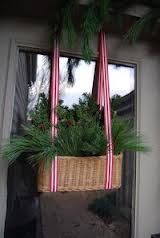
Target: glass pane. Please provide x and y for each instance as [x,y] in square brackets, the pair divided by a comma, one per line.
[40,84]
[83,74]
[76,78]
[121,79]
[122,90]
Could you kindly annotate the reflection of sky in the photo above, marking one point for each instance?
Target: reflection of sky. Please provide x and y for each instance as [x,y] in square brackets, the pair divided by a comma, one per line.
[83,75]
[121,80]
[41,85]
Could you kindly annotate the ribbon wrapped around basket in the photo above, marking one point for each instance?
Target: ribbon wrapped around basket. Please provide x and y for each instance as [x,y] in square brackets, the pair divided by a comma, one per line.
[76,173]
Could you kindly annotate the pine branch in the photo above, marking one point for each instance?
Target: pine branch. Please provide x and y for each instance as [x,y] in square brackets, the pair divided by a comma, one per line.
[94,18]
[125,138]
[149,20]
[35,145]
[68,24]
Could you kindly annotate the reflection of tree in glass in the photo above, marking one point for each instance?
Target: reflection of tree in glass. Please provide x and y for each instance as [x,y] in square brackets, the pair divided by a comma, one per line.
[115,103]
[68,78]
[72,63]
[41,84]
[123,106]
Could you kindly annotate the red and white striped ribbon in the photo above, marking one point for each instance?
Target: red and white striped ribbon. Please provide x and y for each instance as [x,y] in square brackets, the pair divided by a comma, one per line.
[103,99]
[54,90]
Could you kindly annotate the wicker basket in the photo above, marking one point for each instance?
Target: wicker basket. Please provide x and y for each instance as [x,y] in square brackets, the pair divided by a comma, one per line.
[80,174]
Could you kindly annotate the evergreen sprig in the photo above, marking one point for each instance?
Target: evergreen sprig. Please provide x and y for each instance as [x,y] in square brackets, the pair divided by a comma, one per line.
[94,18]
[68,24]
[125,137]
[147,22]
[34,145]
[85,138]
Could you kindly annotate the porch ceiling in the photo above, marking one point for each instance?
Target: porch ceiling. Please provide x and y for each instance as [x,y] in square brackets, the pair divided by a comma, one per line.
[42,9]
[30,8]
[45,10]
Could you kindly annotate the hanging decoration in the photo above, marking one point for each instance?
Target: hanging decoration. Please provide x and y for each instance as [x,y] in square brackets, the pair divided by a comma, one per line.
[87,169]
[54,90]
[103,99]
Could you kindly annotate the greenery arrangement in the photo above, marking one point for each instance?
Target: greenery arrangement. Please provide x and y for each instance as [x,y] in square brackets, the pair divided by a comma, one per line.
[76,128]
[80,133]
[93,15]
[91,22]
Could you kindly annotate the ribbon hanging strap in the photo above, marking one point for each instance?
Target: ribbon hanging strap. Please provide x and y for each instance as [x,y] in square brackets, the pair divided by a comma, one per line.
[103,99]
[54,91]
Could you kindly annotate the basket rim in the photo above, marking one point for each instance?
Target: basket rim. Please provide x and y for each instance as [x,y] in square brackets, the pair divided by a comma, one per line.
[87,157]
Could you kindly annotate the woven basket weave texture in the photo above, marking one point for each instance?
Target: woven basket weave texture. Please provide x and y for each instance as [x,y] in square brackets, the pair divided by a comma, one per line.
[81,173]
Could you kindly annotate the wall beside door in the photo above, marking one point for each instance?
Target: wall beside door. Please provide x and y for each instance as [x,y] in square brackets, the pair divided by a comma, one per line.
[15,33]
